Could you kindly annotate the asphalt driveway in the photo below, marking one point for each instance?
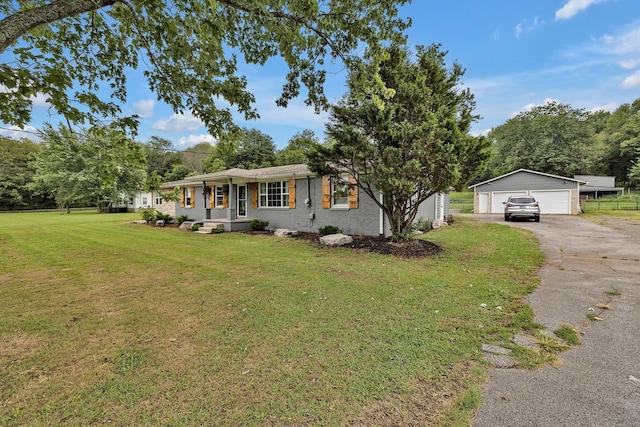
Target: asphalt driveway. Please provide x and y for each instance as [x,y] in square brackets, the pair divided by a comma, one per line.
[598,383]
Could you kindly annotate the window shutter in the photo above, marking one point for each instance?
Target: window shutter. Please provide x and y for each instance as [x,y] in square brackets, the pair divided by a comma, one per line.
[212,197]
[326,192]
[193,197]
[353,194]
[225,200]
[182,197]
[254,195]
[292,193]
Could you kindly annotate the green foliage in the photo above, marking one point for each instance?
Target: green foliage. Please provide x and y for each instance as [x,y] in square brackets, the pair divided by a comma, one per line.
[254,150]
[149,214]
[568,334]
[189,49]
[409,141]
[258,224]
[82,169]
[422,224]
[182,218]
[196,227]
[297,151]
[163,217]
[329,229]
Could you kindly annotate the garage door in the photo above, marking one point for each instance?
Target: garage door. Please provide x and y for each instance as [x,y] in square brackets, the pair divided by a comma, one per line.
[553,202]
[498,197]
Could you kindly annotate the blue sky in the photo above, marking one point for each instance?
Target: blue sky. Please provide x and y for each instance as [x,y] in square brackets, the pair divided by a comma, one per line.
[517,54]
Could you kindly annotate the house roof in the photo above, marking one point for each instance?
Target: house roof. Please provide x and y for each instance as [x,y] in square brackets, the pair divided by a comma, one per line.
[274,172]
[564,178]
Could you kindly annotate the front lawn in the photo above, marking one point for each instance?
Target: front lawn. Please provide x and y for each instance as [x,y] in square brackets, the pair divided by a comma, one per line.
[107,322]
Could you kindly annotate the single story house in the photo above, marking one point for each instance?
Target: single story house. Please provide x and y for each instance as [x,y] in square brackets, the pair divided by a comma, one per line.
[290,197]
[598,186]
[556,194]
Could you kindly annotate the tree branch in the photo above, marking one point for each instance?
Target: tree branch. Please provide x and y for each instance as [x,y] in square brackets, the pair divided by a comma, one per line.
[14,26]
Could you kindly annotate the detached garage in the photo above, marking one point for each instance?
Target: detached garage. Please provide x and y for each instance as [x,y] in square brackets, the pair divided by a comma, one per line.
[556,194]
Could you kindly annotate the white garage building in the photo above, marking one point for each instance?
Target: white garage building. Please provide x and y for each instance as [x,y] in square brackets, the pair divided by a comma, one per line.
[556,194]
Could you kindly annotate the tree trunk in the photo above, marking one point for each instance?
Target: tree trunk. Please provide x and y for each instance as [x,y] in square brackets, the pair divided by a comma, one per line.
[14,26]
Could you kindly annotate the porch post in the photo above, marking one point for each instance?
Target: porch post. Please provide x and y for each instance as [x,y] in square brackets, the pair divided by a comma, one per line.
[205,201]
[231,210]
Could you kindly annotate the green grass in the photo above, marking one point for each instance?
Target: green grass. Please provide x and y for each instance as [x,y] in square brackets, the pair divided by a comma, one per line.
[106,322]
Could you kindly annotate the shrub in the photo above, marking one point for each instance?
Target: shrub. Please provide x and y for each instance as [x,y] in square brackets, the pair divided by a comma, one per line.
[182,218]
[195,227]
[423,225]
[163,216]
[258,224]
[329,229]
[148,214]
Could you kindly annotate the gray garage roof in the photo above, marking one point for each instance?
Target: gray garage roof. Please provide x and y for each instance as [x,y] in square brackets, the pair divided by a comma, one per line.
[563,178]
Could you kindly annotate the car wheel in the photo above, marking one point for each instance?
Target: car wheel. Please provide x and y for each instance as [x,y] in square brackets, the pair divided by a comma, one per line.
[537,219]
[506,218]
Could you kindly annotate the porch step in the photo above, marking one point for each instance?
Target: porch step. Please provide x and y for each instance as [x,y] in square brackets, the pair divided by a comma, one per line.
[208,229]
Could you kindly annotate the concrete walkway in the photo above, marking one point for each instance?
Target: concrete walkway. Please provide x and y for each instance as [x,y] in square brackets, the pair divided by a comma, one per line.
[598,383]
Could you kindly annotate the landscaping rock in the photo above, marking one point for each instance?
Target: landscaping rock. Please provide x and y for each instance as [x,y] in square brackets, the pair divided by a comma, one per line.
[160,223]
[283,232]
[437,223]
[186,225]
[336,240]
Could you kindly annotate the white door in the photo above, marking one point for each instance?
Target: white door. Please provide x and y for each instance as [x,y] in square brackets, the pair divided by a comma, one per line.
[499,197]
[553,201]
[483,199]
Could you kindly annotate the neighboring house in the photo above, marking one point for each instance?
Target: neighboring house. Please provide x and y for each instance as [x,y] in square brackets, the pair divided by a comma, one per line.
[556,194]
[598,186]
[145,199]
[290,197]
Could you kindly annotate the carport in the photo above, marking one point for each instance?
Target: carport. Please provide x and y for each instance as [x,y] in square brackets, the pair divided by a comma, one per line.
[556,194]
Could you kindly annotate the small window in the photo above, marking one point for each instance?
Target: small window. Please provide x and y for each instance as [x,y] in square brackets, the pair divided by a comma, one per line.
[340,192]
[158,198]
[219,196]
[187,197]
[144,201]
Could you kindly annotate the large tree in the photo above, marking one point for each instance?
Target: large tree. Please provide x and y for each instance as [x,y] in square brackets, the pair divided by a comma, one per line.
[189,51]
[406,142]
[621,140]
[554,138]
[102,165]
[297,150]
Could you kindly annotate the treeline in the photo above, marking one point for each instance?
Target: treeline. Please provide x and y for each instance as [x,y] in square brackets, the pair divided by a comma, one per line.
[562,140]
[102,166]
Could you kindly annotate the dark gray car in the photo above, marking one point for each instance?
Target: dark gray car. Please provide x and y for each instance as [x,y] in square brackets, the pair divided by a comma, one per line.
[521,207]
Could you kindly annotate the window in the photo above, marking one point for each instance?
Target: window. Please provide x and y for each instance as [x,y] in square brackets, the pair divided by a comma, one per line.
[340,192]
[158,198]
[219,196]
[187,197]
[274,194]
[144,201]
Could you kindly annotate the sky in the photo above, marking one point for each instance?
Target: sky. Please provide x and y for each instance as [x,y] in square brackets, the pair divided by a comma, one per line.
[518,54]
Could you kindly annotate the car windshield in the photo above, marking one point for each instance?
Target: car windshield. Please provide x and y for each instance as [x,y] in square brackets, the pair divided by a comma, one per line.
[522,200]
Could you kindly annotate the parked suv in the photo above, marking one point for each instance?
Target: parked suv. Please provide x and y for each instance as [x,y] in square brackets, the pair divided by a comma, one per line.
[521,207]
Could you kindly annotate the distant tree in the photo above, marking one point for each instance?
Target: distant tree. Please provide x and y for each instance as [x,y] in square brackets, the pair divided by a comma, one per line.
[178,172]
[408,142]
[101,165]
[223,156]
[194,157]
[552,138]
[254,150]
[621,140]
[297,151]
[16,173]
[67,50]
[161,156]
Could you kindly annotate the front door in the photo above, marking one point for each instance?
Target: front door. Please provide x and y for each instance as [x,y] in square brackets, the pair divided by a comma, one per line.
[242,200]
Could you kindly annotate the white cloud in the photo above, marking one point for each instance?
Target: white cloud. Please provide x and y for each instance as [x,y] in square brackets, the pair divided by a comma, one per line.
[144,108]
[179,123]
[629,63]
[14,132]
[572,7]
[526,26]
[191,140]
[532,105]
[610,107]
[631,81]
[518,30]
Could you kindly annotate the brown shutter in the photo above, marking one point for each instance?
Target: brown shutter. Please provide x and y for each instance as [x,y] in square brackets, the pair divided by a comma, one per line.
[326,192]
[353,193]
[254,195]
[212,197]
[193,197]
[225,200]
[292,193]
[181,197]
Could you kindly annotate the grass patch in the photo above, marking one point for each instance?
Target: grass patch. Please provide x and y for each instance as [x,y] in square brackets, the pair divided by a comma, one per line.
[104,321]
[568,334]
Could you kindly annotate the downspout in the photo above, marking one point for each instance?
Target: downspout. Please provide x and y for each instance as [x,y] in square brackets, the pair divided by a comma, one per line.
[381,216]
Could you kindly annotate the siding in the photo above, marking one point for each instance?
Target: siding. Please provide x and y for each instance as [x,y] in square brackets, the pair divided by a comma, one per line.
[526,181]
